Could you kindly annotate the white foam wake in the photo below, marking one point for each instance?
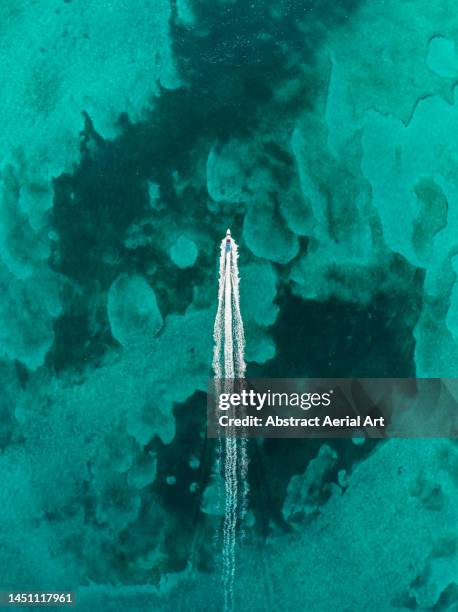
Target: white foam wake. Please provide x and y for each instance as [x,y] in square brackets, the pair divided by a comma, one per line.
[229,365]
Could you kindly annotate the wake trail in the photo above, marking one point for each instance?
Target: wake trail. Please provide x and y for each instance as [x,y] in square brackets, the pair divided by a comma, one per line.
[228,366]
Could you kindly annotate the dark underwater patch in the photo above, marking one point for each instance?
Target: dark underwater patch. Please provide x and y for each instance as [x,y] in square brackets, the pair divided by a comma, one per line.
[341,339]
[231,63]
[332,339]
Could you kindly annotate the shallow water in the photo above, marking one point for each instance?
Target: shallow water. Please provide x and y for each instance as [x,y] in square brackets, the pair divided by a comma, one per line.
[322,134]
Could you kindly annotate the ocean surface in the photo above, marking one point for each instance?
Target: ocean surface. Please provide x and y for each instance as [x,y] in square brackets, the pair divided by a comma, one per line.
[133,134]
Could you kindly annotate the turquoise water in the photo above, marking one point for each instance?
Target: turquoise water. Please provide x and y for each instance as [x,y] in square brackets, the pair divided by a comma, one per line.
[133,134]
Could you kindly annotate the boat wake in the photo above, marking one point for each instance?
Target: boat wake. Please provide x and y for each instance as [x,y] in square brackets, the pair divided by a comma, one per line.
[229,368]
